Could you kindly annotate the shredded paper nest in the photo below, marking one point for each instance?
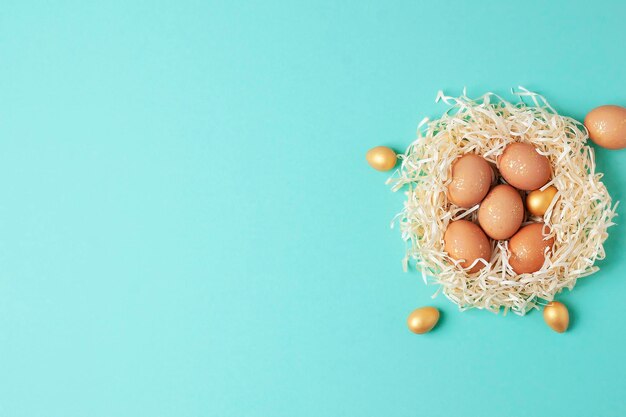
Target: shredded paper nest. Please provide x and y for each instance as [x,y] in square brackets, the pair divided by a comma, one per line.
[578,217]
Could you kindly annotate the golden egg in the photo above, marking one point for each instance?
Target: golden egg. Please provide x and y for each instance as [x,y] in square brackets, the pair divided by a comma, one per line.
[381,158]
[422,320]
[537,202]
[556,316]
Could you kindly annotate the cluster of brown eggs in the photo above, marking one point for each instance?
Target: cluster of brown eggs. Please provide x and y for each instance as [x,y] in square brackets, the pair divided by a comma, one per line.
[501,211]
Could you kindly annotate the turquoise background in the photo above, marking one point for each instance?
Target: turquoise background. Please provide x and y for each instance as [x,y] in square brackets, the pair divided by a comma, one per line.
[188,226]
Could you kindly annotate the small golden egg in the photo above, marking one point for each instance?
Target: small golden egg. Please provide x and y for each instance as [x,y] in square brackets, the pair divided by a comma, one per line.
[556,316]
[422,320]
[381,158]
[538,201]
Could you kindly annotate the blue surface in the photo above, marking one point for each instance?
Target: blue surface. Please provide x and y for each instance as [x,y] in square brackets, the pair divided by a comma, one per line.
[188,226]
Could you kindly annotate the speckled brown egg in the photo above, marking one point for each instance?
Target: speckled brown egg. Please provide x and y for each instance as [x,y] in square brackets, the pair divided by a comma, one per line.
[607,126]
[471,178]
[501,213]
[523,167]
[528,247]
[465,240]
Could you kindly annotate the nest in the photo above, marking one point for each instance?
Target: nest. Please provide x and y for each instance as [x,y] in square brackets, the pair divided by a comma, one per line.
[578,217]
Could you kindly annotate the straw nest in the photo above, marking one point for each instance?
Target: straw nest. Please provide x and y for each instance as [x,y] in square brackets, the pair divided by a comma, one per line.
[578,216]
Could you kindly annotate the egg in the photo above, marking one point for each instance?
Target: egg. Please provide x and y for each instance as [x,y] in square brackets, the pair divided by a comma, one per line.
[556,316]
[422,320]
[463,240]
[607,126]
[471,178]
[381,158]
[523,167]
[527,248]
[537,202]
[501,213]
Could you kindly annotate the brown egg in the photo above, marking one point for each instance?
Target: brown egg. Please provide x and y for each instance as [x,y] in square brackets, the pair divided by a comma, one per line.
[465,240]
[381,158]
[471,178]
[422,320]
[537,202]
[523,167]
[501,213]
[607,126]
[527,249]
[556,316]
